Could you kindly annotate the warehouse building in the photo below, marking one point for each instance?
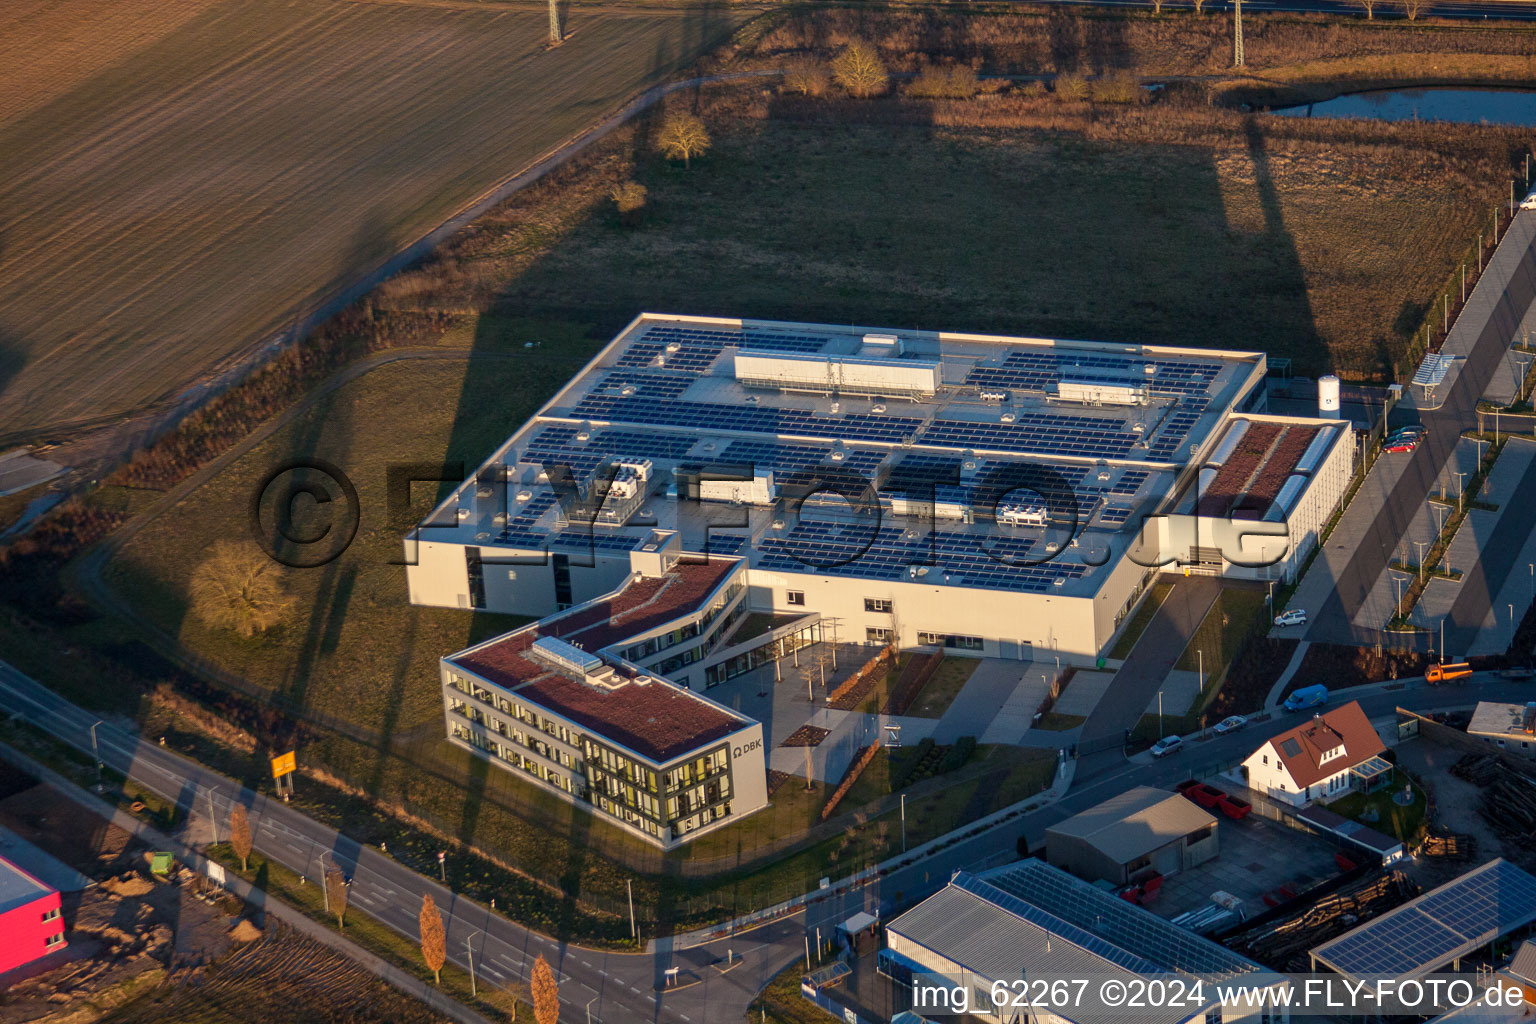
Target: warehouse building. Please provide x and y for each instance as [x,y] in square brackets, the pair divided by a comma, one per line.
[1142,830]
[569,704]
[1509,727]
[980,494]
[1030,920]
[31,918]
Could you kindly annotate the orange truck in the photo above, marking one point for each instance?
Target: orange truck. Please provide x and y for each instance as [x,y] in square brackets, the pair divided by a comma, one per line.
[1446,671]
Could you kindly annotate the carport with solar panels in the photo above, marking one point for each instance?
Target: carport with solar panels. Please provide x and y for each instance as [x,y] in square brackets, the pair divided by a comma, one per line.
[1438,929]
[935,429]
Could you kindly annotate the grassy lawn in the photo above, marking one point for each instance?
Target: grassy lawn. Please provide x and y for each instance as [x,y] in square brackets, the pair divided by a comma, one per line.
[1139,621]
[1405,823]
[943,687]
[1231,620]
[1055,721]
[327,658]
[781,1002]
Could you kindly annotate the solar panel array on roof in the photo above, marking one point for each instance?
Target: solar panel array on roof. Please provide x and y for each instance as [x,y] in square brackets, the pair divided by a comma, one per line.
[699,346]
[796,463]
[1033,371]
[1130,481]
[1175,430]
[1114,921]
[1045,433]
[715,416]
[1436,928]
[1114,515]
[858,550]
[649,383]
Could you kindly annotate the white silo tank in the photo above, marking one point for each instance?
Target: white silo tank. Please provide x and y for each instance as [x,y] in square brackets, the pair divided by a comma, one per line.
[1328,397]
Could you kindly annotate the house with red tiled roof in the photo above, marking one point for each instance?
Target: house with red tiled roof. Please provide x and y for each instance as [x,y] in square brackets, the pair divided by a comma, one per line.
[1331,754]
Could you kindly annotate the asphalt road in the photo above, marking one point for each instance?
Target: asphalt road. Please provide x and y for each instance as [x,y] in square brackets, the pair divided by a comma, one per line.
[625,987]
[1516,265]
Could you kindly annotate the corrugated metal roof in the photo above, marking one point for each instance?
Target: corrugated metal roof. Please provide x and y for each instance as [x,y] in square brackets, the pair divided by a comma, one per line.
[1135,823]
[988,941]
[1523,966]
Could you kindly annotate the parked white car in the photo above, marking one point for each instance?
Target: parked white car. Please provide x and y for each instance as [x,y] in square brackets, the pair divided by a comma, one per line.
[1292,617]
[1231,723]
[1529,202]
[1167,745]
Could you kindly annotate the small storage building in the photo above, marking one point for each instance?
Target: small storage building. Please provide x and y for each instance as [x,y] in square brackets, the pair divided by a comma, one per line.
[1143,828]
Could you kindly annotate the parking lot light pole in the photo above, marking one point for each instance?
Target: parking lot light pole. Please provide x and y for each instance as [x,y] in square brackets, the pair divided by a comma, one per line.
[1421,543]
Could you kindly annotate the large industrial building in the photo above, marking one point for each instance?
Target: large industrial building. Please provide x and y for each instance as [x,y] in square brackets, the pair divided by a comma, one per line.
[978,493]
[991,496]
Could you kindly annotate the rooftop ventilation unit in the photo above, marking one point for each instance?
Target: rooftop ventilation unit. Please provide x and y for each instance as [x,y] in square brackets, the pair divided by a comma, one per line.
[854,375]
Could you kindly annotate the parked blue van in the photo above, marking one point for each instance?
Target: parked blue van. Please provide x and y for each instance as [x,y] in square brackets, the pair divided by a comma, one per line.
[1306,697]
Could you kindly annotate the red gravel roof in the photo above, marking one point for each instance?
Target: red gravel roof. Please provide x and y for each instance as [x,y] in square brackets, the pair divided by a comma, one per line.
[659,720]
[642,605]
[1247,484]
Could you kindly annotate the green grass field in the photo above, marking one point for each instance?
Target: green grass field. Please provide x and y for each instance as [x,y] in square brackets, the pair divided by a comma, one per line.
[180,178]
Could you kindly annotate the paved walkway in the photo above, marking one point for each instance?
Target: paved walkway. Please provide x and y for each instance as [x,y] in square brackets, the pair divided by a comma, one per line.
[1143,672]
[997,688]
[1289,672]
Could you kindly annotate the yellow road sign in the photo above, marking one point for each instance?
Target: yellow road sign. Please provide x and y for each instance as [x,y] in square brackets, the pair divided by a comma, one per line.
[284,764]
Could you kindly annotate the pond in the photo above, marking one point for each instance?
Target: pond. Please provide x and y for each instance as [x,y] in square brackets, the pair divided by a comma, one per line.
[1468,106]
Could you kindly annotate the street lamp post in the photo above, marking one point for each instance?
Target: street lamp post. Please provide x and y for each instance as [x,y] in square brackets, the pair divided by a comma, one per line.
[442,866]
[1159,713]
[1421,543]
[589,1008]
[96,753]
[469,951]
[1460,490]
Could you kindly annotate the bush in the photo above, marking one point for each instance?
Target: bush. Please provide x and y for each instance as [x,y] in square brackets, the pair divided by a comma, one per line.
[956,756]
[955,82]
[924,750]
[1119,87]
[1032,90]
[1072,86]
[807,76]
[629,198]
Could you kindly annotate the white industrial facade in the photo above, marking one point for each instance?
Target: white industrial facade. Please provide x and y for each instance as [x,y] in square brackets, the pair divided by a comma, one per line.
[982,494]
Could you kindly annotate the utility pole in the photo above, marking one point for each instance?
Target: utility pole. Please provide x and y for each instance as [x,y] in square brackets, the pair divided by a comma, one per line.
[1237,34]
[556,34]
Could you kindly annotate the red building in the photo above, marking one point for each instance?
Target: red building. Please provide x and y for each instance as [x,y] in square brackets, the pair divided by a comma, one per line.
[31,922]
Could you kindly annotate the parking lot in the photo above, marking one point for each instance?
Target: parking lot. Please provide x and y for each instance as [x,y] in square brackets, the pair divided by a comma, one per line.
[1257,857]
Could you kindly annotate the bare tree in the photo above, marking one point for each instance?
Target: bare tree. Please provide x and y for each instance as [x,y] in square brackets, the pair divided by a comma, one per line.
[807,76]
[336,893]
[240,835]
[546,993]
[1368,6]
[238,588]
[434,941]
[683,137]
[860,70]
[1199,5]
[1412,9]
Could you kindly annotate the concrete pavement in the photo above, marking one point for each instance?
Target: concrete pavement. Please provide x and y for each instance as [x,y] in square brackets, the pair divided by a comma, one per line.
[1346,571]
